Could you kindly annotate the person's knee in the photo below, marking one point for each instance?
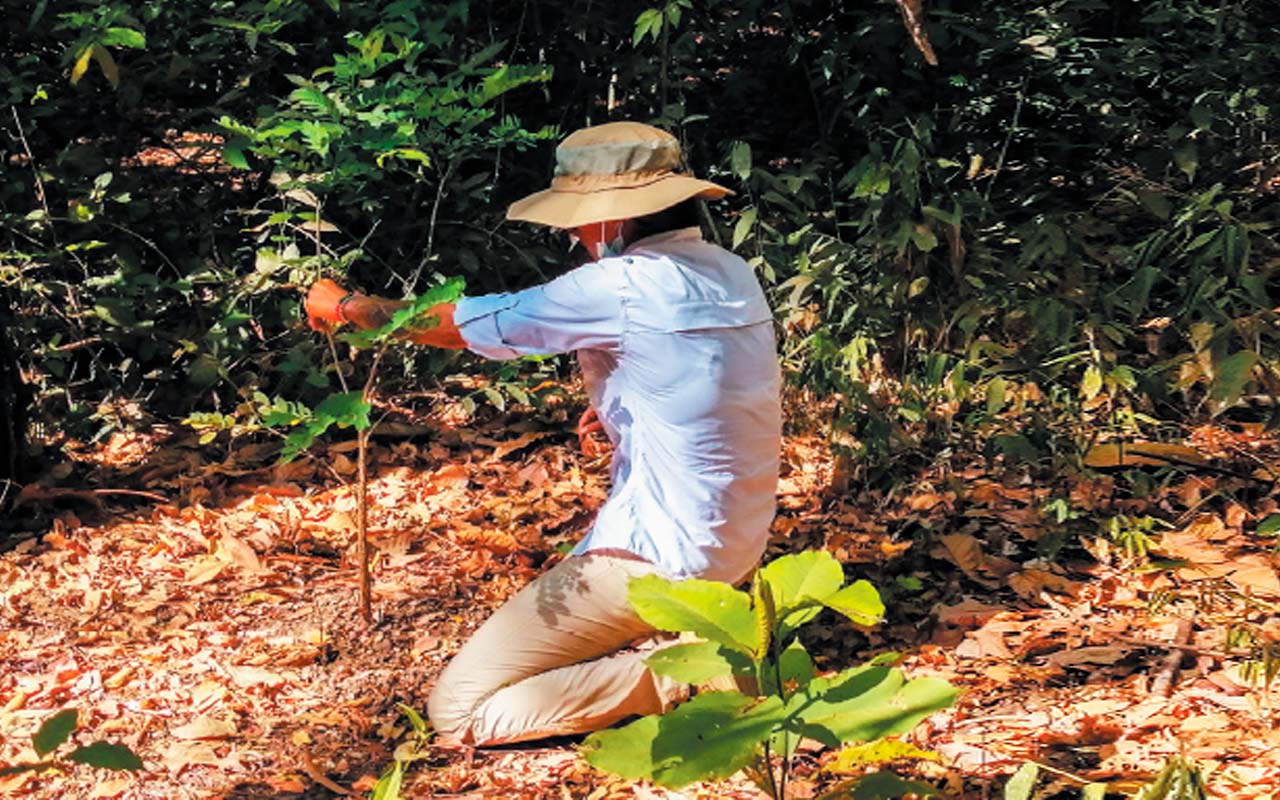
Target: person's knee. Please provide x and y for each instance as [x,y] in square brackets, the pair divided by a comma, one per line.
[448,712]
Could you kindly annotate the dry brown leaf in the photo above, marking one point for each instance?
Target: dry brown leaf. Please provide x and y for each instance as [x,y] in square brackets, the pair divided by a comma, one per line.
[242,554]
[1254,575]
[204,570]
[983,643]
[507,448]
[107,789]
[969,613]
[1030,583]
[204,728]
[1104,655]
[181,754]
[255,676]
[1153,454]
[967,554]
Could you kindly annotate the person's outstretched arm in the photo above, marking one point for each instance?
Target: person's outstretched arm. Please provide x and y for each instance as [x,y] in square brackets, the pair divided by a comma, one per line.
[329,305]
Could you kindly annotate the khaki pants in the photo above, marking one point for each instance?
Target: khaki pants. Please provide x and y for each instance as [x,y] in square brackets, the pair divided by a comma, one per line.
[551,661]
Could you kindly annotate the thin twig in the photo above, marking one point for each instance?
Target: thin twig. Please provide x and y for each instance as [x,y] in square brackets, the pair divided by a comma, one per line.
[1168,674]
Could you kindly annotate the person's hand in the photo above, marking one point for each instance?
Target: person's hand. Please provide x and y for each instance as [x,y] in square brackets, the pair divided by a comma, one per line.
[590,433]
[323,305]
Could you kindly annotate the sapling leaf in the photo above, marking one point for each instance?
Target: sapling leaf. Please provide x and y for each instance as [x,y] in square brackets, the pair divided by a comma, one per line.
[799,583]
[796,668]
[710,737]
[345,409]
[874,753]
[859,602]
[412,317]
[712,610]
[388,785]
[865,703]
[1023,782]
[54,731]
[885,785]
[698,662]
[799,577]
[106,755]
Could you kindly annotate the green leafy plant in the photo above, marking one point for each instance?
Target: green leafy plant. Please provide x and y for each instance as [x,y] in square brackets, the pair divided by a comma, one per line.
[56,731]
[1179,780]
[752,637]
[352,408]
[410,750]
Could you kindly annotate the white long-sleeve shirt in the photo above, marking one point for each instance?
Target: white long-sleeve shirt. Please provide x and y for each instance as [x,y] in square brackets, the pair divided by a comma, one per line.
[677,351]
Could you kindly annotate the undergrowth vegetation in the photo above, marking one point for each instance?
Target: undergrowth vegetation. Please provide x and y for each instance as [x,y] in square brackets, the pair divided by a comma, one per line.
[1074,212]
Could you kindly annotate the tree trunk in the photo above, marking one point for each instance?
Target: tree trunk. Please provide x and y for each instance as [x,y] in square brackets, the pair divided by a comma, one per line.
[15,402]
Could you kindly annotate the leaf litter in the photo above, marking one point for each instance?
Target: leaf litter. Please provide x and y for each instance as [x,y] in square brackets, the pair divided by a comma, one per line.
[216,634]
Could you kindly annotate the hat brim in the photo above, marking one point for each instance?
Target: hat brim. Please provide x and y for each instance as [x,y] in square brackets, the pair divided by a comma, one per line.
[561,209]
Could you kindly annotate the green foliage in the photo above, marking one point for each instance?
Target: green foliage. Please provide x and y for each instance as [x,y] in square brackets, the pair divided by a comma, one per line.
[752,637]
[55,731]
[1179,780]
[1079,198]
[411,750]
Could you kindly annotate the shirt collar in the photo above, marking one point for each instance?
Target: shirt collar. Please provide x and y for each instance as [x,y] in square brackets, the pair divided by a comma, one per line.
[669,237]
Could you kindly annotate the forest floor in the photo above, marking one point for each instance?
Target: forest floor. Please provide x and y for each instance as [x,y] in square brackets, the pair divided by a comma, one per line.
[211,622]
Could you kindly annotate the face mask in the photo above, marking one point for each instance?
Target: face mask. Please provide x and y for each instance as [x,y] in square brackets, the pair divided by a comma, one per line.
[595,242]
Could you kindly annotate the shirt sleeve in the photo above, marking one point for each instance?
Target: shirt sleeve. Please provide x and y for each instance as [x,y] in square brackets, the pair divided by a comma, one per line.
[580,310]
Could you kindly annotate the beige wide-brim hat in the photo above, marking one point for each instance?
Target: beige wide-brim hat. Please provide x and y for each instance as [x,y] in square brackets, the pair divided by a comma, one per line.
[620,170]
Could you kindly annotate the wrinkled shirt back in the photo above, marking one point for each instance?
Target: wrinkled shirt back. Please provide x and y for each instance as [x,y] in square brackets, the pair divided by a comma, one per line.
[677,351]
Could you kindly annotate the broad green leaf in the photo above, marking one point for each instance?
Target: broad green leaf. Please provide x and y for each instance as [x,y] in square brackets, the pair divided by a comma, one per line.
[698,662]
[865,703]
[802,579]
[710,737]
[344,409]
[712,610]
[627,751]
[1269,526]
[886,785]
[740,160]
[124,37]
[1023,782]
[54,731]
[388,785]
[1230,376]
[881,751]
[996,395]
[106,755]
[796,668]
[233,154]
[859,602]
[742,228]
[1093,791]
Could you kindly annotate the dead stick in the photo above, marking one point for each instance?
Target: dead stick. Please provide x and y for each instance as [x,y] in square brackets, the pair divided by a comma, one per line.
[1217,655]
[362,517]
[1164,680]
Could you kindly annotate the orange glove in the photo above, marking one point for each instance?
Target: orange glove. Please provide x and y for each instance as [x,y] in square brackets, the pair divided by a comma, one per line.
[589,425]
[324,305]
